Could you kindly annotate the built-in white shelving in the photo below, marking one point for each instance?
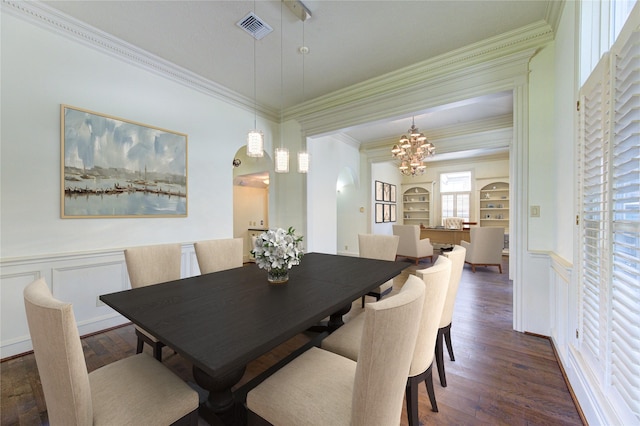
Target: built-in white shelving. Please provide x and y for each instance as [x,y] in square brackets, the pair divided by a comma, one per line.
[415,206]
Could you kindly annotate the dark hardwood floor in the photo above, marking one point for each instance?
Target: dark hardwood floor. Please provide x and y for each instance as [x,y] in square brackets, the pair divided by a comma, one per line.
[499,377]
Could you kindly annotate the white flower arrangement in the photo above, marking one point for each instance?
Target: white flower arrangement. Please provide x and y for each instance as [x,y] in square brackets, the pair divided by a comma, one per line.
[278,249]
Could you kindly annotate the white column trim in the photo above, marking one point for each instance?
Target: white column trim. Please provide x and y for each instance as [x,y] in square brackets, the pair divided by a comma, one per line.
[519,171]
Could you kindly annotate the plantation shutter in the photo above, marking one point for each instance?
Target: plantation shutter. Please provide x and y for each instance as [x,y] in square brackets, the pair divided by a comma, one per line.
[625,206]
[592,169]
[609,198]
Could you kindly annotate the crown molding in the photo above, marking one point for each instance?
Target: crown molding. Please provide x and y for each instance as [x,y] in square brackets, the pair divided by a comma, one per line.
[554,13]
[415,87]
[50,19]
[376,98]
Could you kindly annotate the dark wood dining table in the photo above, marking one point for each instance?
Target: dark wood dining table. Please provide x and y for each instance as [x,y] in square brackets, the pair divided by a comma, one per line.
[222,321]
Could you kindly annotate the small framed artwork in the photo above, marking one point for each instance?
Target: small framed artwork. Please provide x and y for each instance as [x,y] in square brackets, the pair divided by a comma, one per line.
[393,213]
[386,192]
[379,213]
[387,212]
[393,194]
[379,190]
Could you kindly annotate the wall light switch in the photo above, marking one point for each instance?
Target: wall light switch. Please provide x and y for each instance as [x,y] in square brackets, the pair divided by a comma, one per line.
[535,211]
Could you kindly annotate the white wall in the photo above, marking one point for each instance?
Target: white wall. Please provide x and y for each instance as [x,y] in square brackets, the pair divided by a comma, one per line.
[82,258]
[288,191]
[542,178]
[387,173]
[352,212]
[566,90]
[41,70]
[335,154]
[565,125]
[540,181]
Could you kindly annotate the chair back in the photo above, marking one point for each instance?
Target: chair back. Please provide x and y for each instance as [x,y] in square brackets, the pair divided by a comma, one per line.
[59,357]
[436,279]
[154,264]
[219,255]
[388,340]
[456,256]
[375,246]
[487,243]
[409,236]
[453,222]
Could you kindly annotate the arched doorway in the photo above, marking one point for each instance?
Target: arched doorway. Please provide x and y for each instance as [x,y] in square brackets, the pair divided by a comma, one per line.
[251,178]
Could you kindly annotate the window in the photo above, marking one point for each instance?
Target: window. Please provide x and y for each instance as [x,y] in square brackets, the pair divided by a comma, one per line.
[455,182]
[609,249]
[600,24]
[455,193]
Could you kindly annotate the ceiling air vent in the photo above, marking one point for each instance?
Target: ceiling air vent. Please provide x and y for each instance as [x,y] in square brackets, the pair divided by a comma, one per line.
[254,26]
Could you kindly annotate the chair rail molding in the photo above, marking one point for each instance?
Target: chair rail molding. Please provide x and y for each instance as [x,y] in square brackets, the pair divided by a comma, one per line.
[78,278]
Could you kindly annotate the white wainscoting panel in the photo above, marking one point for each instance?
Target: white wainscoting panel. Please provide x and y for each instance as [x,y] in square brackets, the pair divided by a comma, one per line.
[81,285]
[14,332]
[560,283]
[77,278]
[535,293]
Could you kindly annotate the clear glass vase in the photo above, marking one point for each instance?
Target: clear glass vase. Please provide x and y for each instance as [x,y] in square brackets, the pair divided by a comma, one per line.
[277,275]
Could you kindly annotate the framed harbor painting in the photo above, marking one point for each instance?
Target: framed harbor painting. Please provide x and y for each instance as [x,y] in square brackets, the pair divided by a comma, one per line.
[113,167]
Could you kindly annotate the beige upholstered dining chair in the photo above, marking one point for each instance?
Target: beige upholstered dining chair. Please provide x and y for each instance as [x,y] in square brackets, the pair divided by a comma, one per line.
[345,341]
[485,248]
[410,244]
[380,247]
[132,391]
[218,255]
[323,388]
[456,256]
[148,265]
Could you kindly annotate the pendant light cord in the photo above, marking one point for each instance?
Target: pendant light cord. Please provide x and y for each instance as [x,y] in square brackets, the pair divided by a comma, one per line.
[281,78]
[255,101]
[303,55]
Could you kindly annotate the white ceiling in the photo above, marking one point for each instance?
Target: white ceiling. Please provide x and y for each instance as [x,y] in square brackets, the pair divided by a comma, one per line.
[429,121]
[349,41]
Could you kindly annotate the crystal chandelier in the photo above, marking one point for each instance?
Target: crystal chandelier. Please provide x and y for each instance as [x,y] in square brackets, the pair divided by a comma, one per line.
[412,151]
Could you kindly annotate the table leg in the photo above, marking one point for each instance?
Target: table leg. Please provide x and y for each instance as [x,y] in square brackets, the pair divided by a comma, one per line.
[335,319]
[335,322]
[220,408]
